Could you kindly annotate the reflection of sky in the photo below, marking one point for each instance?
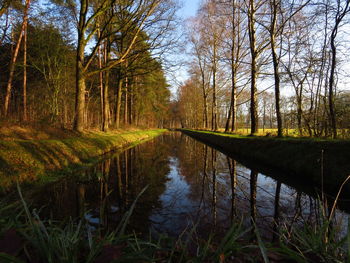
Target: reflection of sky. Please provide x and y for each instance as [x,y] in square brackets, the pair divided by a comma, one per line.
[184,201]
[176,205]
[190,197]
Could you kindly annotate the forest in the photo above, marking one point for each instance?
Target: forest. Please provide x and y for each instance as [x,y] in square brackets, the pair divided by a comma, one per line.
[85,64]
[280,66]
[270,65]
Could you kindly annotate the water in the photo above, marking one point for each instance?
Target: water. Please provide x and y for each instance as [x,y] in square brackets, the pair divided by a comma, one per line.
[188,183]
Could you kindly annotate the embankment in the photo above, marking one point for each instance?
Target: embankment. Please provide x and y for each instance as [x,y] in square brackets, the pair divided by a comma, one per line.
[27,160]
[303,159]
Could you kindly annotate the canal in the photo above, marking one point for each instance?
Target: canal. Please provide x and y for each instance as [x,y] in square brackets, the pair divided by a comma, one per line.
[188,183]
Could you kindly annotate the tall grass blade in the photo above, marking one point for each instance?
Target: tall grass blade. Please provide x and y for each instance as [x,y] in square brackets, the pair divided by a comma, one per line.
[125,220]
[337,198]
[6,258]
[261,244]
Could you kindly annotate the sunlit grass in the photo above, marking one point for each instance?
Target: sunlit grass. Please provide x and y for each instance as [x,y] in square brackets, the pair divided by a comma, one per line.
[26,160]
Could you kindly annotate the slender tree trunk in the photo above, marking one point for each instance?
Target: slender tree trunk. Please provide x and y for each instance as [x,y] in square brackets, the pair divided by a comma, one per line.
[275,60]
[106,119]
[205,101]
[253,70]
[214,110]
[14,59]
[234,51]
[24,116]
[131,96]
[126,101]
[118,100]
[300,110]
[99,56]
[331,89]
[227,125]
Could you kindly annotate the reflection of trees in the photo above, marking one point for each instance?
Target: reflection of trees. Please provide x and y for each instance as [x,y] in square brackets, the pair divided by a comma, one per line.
[213,164]
[277,212]
[253,186]
[233,176]
[219,188]
[108,189]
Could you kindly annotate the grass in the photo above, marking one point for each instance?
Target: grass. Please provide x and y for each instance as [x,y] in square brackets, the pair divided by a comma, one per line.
[73,241]
[28,160]
[341,133]
[301,158]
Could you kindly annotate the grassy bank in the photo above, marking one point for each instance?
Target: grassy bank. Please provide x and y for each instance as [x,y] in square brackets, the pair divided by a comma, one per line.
[28,159]
[305,158]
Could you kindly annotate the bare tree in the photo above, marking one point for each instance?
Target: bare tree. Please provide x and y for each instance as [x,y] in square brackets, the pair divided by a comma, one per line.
[14,58]
[342,8]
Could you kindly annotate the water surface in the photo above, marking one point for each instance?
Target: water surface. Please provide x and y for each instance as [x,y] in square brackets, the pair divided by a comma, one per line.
[188,183]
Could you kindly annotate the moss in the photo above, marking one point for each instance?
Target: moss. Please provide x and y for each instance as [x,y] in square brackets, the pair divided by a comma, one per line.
[296,157]
[26,160]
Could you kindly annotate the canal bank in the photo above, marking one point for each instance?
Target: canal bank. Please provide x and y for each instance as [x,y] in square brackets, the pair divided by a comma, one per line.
[28,160]
[310,160]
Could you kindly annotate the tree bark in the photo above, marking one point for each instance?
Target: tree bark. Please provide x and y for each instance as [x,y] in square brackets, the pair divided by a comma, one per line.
[14,59]
[126,101]
[275,60]
[24,113]
[253,69]
[118,101]
[80,88]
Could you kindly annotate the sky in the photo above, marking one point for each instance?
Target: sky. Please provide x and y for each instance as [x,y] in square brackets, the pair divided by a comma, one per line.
[189,8]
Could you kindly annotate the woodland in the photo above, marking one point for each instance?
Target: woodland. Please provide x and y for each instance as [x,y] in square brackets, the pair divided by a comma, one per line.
[280,66]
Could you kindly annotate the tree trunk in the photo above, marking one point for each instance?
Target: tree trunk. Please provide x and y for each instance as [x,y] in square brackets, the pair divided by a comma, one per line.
[118,102]
[79,121]
[79,95]
[14,59]
[300,110]
[227,125]
[126,102]
[24,116]
[205,101]
[275,61]
[214,109]
[253,70]
[105,111]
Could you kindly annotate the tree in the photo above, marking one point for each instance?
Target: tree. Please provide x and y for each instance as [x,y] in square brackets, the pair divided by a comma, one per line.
[14,58]
[341,10]
[236,41]
[87,27]
[255,51]
[199,47]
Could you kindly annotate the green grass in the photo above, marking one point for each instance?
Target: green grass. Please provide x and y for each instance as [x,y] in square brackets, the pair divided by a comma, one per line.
[28,160]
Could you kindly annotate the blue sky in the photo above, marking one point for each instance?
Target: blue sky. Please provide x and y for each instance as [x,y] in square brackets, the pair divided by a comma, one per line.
[189,8]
